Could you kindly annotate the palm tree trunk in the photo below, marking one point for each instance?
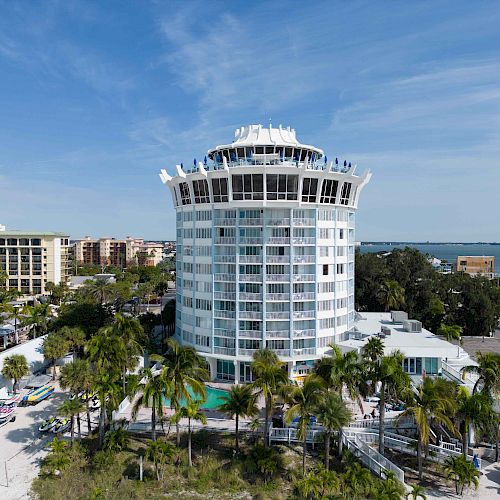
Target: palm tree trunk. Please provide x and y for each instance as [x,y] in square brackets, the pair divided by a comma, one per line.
[381,420]
[101,422]
[237,434]
[465,437]
[16,335]
[72,429]
[496,446]
[304,451]
[89,428]
[327,450]
[190,459]
[419,456]
[79,425]
[153,422]
[177,434]
[340,443]
[54,369]
[124,372]
[266,423]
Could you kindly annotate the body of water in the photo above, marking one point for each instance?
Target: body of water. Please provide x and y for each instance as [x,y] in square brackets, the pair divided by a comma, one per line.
[444,251]
[215,397]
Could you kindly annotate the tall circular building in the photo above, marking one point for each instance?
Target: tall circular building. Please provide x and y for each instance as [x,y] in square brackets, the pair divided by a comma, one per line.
[265,251]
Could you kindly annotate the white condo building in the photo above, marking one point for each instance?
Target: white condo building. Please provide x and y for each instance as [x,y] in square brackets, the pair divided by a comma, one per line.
[265,251]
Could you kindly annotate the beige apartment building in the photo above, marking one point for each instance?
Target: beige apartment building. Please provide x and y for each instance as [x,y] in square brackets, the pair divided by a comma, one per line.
[476,265]
[108,251]
[31,259]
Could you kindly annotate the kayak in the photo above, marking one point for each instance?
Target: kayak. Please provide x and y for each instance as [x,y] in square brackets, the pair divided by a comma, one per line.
[48,424]
[61,426]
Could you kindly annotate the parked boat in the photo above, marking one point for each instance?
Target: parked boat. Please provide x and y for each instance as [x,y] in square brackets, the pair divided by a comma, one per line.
[48,424]
[37,395]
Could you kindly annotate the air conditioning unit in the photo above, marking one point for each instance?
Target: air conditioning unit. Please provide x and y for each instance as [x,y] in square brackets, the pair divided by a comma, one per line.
[412,325]
[399,316]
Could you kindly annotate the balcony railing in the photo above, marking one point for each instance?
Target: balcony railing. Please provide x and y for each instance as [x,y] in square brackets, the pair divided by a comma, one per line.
[250,334]
[224,222]
[304,240]
[298,334]
[278,277]
[303,296]
[304,222]
[278,259]
[246,352]
[250,222]
[278,241]
[304,277]
[224,314]
[250,259]
[250,315]
[228,351]
[222,332]
[224,277]
[224,240]
[302,259]
[304,351]
[277,296]
[278,315]
[251,241]
[278,222]
[279,334]
[250,296]
[252,278]
[225,295]
[281,352]
[303,314]
[224,258]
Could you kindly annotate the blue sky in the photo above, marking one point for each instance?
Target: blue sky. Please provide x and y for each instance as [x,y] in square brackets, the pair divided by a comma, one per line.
[96,97]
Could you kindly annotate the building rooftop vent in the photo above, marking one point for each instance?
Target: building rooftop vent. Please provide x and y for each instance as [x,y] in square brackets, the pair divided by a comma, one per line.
[412,325]
[399,316]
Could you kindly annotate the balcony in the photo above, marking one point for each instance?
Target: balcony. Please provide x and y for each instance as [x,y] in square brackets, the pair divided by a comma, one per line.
[277,296]
[250,296]
[278,259]
[304,277]
[250,334]
[279,334]
[224,314]
[304,222]
[228,351]
[278,315]
[250,259]
[247,352]
[303,296]
[304,314]
[278,277]
[250,278]
[304,241]
[224,240]
[299,334]
[250,315]
[225,295]
[303,259]
[282,352]
[278,241]
[224,222]
[278,222]
[222,332]
[251,241]
[224,277]
[224,259]
[305,351]
[250,222]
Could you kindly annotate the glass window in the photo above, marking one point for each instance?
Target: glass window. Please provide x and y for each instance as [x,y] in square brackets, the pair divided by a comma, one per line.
[185,194]
[346,191]
[12,241]
[219,188]
[309,190]
[282,186]
[329,191]
[248,187]
[225,369]
[200,189]
[36,242]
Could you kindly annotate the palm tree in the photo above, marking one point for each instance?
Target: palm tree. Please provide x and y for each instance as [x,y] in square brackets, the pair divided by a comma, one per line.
[488,372]
[416,492]
[269,378]
[106,351]
[154,386]
[38,318]
[239,402]
[471,409]
[15,312]
[116,440]
[54,347]
[75,337]
[451,332]
[57,292]
[358,481]
[105,386]
[303,401]
[131,333]
[78,376]
[69,409]
[184,367]
[58,459]
[320,483]
[98,288]
[191,412]
[391,295]
[388,371]
[462,472]
[333,414]
[373,349]
[15,367]
[159,452]
[434,402]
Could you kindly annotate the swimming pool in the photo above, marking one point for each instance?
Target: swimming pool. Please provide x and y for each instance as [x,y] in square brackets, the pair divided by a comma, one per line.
[215,397]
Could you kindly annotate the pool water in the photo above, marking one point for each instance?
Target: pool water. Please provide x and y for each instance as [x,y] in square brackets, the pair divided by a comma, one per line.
[215,397]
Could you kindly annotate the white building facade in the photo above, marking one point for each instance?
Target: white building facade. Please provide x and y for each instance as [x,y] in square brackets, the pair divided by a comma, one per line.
[265,251]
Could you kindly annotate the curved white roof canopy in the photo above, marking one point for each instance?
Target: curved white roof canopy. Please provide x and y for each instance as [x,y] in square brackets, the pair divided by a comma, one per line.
[257,135]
